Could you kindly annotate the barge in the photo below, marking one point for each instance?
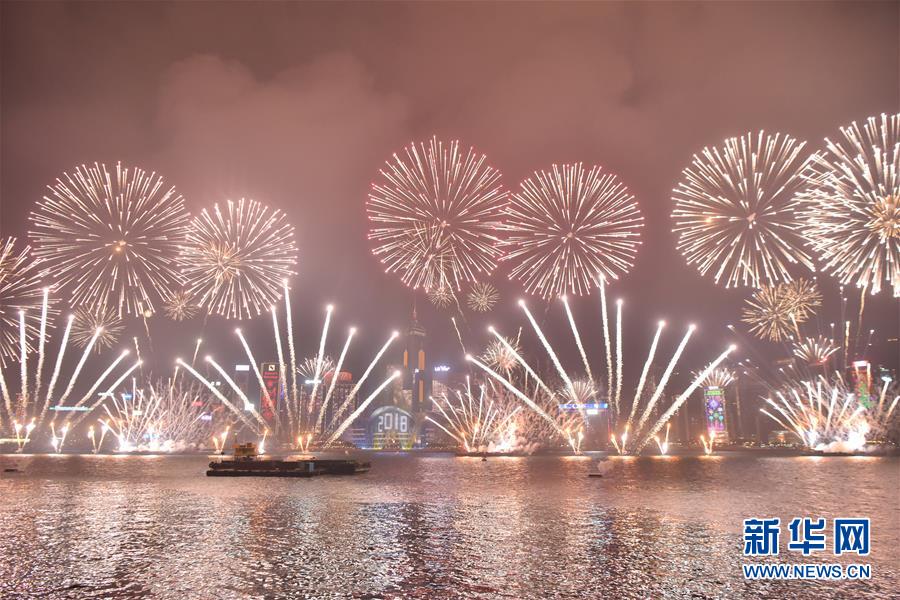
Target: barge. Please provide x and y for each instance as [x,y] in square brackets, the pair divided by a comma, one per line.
[246,462]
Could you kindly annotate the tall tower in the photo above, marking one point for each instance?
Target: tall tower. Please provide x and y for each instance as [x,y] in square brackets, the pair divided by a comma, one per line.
[415,375]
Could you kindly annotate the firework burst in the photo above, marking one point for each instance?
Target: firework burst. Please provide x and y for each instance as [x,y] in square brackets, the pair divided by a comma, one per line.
[804,298]
[102,326]
[816,350]
[500,355]
[719,377]
[736,210]
[852,204]
[181,306]
[235,261]
[482,297]
[441,296]
[110,239]
[20,290]
[569,227]
[313,365]
[435,213]
[774,312]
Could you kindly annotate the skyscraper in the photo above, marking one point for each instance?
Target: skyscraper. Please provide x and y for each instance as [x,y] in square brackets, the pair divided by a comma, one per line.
[416,379]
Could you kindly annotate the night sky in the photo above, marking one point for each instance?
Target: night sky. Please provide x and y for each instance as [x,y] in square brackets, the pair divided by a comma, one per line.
[298,105]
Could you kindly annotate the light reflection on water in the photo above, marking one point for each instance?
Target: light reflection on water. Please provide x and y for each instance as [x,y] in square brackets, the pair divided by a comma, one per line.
[429,526]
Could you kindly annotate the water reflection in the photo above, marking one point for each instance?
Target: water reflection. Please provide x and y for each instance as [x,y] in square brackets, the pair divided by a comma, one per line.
[425,527]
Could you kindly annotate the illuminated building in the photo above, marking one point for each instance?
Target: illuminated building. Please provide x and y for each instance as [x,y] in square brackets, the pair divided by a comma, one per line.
[416,378]
[714,405]
[342,388]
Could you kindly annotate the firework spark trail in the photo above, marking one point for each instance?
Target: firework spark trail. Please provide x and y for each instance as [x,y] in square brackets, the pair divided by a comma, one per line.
[248,406]
[474,425]
[159,418]
[319,355]
[657,393]
[196,351]
[282,373]
[259,379]
[641,433]
[355,389]
[559,368]
[108,393]
[238,413]
[584,360]
[288,314]
[569,226]
[682,398]
[458,334]
[814,350]
[339,431]
[618,355]
[736,211]
[235,262]
[604,316]
[42,340]
[78,368]
[23,357]
[334,377]
[645,370]
[59,359]
[435,213]
[110,240]
[531,372]
[827,416]
[851,204]
[99,381]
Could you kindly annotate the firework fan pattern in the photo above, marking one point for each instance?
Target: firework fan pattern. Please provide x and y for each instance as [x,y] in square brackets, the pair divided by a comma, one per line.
[20,290]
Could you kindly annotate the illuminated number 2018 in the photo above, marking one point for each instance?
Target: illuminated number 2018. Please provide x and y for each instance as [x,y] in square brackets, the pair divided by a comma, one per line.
[390,421]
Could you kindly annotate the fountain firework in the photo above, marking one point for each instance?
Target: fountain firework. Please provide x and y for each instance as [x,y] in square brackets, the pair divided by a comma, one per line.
[828,417]
[481,421]
[165,416]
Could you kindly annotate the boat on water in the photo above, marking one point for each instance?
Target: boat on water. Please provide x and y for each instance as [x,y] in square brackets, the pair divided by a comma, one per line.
[246,462]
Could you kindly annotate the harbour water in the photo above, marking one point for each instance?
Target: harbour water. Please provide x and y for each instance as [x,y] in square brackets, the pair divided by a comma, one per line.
[430,526]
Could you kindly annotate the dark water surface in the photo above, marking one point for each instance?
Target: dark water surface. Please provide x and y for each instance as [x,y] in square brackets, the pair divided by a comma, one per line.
[429,526]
